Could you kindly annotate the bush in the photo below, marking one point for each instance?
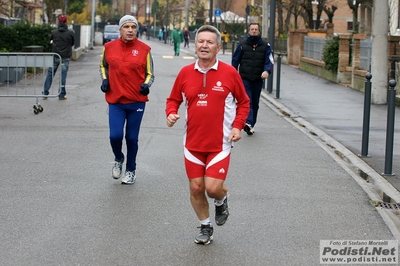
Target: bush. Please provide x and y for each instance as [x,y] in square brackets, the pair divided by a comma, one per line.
[330,54]
[21,34]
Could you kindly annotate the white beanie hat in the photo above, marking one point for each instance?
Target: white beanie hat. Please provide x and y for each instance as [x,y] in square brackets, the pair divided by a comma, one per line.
[127,18]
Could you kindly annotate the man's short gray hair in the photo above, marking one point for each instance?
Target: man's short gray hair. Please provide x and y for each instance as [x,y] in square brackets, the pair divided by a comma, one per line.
[209,28]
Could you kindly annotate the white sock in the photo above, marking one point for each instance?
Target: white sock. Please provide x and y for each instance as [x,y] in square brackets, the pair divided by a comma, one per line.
[219,202]
[206,221]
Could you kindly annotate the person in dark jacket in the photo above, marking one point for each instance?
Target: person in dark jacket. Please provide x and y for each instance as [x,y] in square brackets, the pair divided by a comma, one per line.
[254,59]
[62,39]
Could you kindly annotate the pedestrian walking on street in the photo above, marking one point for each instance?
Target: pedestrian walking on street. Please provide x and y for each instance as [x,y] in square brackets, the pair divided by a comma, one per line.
[126,68]
[216,109]
[254,59]
[177,38]
[186,36]
[160,35]
[62,39]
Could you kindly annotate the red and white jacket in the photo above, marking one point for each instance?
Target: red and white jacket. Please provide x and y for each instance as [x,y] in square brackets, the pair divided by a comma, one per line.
[215,100]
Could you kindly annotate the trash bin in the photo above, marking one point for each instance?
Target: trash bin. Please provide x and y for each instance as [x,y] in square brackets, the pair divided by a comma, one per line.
[33,48]
[11,75]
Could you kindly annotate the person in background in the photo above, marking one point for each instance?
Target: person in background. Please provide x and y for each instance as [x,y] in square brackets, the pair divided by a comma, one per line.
[216,109]
[62,39]
[160,35]
[254,59]
[177,39]
[186,36]
[224,38]
[144,31]
[126,68]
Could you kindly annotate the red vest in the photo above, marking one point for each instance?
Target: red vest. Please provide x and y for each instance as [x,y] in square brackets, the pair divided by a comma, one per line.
[126,70]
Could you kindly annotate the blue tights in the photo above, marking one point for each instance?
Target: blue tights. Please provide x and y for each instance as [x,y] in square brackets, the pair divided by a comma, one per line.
[132,114]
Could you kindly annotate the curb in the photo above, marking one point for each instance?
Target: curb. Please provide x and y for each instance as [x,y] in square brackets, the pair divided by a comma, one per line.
[383,195]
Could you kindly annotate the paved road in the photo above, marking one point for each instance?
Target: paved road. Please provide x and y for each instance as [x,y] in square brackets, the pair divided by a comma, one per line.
[60,206]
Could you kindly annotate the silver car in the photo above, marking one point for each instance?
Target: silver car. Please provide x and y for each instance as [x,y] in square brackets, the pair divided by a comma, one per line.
[111,32]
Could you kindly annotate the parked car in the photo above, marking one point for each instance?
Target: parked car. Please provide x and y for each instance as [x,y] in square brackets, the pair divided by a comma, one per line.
[111,32]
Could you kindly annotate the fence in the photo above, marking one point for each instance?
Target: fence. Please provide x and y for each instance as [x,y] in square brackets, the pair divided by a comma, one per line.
[280,45]
[22,75]
[313,47]
[365,54]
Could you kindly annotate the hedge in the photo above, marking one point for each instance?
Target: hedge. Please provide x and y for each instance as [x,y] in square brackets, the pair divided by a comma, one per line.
[22,34]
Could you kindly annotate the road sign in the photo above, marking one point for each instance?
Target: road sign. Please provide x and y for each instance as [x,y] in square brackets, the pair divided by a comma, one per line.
[217,12]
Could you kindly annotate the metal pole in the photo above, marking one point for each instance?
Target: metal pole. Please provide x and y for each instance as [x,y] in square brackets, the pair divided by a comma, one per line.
[278,77]
[390,128]
[166,25]
[187,14]
[145,12]
[265,17]
[271,40]
[211,12]
[246,23]
[93,10]
[155,24]
[367,115]
[233,48]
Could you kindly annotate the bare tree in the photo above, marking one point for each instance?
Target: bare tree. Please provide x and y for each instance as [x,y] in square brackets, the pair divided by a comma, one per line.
[197,12]
[279,8]
[224,5]
[5,8]
[22,9]
[51,7]
[330,11]
[165,8]
[353,4]
[294,8]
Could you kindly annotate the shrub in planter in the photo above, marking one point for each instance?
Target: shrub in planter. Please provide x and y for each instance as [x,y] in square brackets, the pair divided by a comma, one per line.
[330,54]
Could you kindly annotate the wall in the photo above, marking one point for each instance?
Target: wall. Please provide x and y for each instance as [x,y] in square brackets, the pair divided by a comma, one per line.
[85,41]
[350,75]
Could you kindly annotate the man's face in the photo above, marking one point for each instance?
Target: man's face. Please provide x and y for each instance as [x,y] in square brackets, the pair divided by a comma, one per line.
[128,31]
[254,30]
[206,45]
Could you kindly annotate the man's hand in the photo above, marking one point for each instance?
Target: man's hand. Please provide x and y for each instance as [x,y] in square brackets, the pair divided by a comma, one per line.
[235,135]
[264,75]
[145,89]
[171,119]
[104,86]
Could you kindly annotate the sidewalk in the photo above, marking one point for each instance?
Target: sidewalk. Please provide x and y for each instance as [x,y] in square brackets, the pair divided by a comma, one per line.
[338,111]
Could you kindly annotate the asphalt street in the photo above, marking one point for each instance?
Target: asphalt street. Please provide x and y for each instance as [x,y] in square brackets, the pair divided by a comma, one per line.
[60,206]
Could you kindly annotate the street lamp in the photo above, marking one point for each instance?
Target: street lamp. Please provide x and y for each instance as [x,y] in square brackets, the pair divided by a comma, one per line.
[145,11]
[93,11]
[166,25]
[148,11]
[211,12]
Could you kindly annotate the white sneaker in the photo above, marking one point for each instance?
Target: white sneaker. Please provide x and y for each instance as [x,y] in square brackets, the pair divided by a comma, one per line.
[248,129]
[117,168]
[129,178]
